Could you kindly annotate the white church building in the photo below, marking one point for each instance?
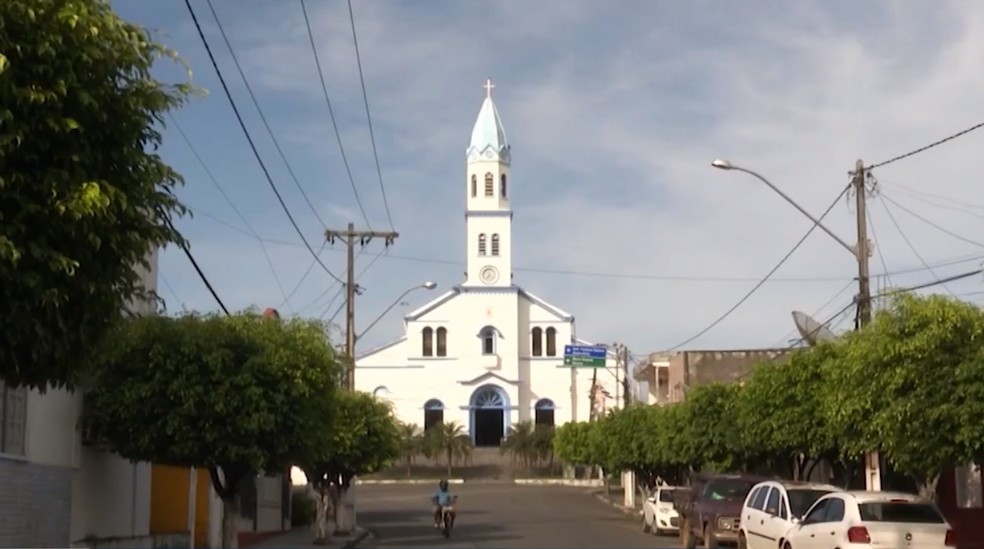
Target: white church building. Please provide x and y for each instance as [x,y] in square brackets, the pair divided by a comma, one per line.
[486,354]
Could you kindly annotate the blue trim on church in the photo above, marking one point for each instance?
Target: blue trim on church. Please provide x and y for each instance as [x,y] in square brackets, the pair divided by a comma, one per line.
[489,213]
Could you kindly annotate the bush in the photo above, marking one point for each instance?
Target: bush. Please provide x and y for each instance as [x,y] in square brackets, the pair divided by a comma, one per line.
[301,509]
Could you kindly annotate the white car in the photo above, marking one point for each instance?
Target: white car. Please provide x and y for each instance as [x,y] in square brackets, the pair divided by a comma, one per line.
[771,509]
[872,520]
[658,514]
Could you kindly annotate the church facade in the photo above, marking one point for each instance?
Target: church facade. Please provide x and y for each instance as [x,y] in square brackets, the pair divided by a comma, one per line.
[486,354]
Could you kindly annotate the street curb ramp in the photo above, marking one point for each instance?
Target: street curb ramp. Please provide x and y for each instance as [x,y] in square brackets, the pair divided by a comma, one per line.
[600,496]
[358,538]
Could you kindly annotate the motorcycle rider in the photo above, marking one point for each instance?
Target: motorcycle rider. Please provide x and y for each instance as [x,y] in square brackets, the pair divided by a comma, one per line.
[442,498]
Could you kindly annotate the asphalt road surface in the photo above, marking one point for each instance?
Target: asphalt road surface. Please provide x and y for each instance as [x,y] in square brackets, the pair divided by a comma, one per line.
[500,516]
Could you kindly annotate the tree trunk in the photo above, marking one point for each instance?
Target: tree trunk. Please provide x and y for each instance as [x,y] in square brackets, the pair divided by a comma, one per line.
[321,514]
[230,519]
[345,511]
[927,486]
[409,463]
[449,463]
[813,466]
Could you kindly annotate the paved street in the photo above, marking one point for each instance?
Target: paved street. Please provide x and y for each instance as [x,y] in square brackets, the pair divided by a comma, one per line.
[502,516]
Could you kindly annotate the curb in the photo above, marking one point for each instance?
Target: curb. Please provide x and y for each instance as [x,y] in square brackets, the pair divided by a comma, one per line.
[580,483]
[604,499]
[355,540]
[371,482]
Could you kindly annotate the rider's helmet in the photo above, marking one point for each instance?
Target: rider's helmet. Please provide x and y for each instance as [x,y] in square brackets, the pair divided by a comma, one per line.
[443,485]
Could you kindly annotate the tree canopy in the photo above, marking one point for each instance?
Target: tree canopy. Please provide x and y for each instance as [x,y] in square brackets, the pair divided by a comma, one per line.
[84,198]
[241,394]
[910,385]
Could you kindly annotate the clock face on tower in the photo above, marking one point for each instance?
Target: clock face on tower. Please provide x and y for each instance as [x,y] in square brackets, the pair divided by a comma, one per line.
[489,274]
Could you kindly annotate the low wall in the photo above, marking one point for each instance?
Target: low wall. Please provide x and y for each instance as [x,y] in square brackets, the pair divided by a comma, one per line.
[172,540]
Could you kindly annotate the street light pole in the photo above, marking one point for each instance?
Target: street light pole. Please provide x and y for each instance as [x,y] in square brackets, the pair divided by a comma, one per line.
[861,253]
[425,286]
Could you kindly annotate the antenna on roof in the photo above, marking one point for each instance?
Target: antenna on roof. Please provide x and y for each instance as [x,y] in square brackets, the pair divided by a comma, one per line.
[811,330]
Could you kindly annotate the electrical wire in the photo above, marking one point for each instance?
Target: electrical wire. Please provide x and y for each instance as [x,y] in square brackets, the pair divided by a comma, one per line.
[619,276]
[931,223]
[170,289]
[249,138]
[365,99]
[215,182]
[927,147]
[765,278]
[263,118]
[198,269]
[909,243]
[819,310]
[331,114]
[340,290]
[942,197]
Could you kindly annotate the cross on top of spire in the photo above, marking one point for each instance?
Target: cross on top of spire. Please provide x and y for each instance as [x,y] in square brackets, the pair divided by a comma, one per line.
[488,88]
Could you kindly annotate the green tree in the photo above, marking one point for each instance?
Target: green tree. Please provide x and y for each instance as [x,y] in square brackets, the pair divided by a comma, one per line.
[519,443]
[910,384]
[365,438]
[238,395]
[448,440]
[541,447]
[777,412]
[708,439]
[85,197]
[572,443]
[411,442]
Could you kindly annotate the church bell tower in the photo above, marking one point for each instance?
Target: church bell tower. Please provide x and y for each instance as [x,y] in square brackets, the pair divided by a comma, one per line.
[488,216]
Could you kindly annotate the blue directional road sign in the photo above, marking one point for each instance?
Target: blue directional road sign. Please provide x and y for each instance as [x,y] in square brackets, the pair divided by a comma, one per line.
[585,356]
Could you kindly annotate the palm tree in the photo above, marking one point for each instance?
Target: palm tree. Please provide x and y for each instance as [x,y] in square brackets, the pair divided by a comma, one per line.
[449,440]
[542,444]
[519,442]
[410,444]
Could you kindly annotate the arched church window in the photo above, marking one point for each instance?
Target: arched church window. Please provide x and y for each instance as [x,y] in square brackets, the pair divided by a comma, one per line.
[433,413]
[487,336]
[537,341]
[442,341]
[427,348]
[544,413]
[474,185]
[495,244]
[489,184]
[551,342]
[481,244]
[502,185]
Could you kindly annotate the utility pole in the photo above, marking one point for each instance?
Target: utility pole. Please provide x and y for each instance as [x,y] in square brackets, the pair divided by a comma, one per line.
[351,237]
[626,382]
[872,461]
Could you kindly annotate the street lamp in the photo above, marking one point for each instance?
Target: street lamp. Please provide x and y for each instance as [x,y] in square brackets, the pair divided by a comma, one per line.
[429,285]
[859,252]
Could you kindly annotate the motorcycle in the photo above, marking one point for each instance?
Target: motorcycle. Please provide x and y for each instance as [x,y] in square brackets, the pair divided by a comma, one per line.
[446,520]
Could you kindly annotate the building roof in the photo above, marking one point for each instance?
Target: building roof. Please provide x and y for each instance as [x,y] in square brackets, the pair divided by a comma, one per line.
[488,132]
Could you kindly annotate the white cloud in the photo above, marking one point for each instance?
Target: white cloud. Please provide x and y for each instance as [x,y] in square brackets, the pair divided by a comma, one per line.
[613,132]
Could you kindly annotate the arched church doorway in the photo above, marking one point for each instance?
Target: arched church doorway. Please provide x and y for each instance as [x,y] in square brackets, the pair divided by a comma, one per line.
[544,412]
[488,416]
[433,413]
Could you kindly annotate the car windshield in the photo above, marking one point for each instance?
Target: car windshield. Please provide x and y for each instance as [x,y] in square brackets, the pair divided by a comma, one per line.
[801,500]
[905,512]
[666,495]
[727,489]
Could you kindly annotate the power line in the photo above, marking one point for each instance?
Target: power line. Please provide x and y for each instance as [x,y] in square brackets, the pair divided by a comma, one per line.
[201,274]
[819,310]
[944,198]
[621,276]
[331,114]
[931,223]
[909,243]
[365,99]
[765,278]
[927,147]
[170,288]
[215,181]
[340,290]
[259,110]
[249,138]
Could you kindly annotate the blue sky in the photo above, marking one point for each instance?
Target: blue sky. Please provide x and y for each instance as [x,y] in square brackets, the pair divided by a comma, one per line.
[614,112]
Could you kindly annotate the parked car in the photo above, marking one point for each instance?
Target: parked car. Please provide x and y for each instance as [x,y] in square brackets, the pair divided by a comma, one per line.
[710,508]
[771,509]
[871,520]
[658,514]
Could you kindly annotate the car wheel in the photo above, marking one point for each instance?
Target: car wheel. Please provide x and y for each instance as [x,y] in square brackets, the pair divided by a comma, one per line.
[710,540]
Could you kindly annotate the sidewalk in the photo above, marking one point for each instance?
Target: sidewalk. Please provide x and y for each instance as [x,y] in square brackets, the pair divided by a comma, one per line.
[304,537]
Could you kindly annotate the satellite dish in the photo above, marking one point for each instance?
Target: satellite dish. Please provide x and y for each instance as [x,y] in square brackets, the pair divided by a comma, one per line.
[811,330]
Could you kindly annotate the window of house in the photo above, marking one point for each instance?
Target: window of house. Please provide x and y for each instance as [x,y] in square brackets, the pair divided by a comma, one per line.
[474,185]
[967,481]
[428,342]
[442,341]
[488,341]
[489,184]
[481,244]
[551,342]
[433,413]
[537,341]
[502,185]
[495,244]
[544,413]
[13,419]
